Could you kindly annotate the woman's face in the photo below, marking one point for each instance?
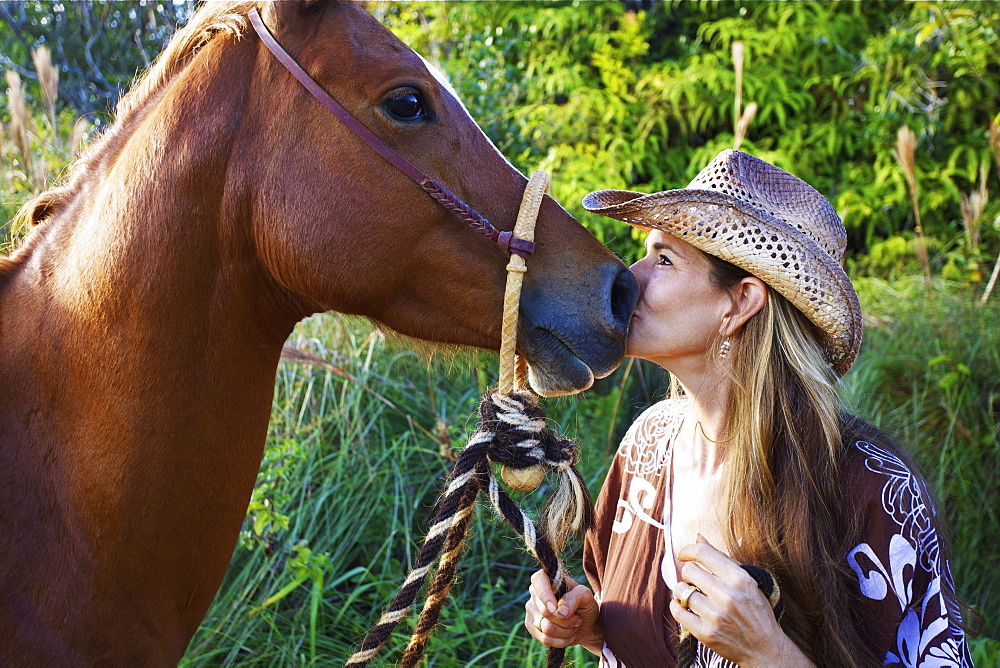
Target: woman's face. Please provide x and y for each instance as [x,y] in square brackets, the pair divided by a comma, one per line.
[680,310]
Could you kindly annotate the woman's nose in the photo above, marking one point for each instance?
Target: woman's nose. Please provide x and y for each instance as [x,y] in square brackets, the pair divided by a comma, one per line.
[638,272]
[640,276]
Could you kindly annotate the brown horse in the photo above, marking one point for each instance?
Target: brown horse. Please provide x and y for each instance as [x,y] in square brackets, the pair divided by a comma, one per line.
[142,320]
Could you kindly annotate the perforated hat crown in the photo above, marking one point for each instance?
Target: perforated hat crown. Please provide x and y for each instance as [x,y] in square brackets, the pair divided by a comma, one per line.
[768,222]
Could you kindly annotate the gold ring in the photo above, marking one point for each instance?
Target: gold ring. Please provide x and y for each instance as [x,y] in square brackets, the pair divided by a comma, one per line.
[538,622]
[686,596]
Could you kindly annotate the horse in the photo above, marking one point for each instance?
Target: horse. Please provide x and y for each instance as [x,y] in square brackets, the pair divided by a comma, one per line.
[142,318]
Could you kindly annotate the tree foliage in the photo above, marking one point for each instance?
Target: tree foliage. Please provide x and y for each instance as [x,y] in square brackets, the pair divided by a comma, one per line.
[604,97]
[99,47]
[607,97]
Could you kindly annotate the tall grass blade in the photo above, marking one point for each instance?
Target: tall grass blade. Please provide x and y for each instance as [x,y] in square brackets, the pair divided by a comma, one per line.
[19,120]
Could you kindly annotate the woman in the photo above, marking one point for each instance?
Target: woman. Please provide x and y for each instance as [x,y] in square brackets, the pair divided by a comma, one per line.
[745,302]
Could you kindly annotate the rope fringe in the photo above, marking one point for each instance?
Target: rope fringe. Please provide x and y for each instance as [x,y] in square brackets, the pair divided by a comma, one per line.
[512,433]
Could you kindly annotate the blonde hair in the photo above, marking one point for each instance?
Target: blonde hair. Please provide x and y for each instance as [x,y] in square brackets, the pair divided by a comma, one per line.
[783,457]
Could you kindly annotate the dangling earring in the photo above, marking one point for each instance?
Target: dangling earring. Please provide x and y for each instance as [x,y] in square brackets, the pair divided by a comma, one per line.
[724,349]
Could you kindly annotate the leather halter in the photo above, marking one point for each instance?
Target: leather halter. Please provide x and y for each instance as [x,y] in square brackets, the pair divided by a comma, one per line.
[506,240]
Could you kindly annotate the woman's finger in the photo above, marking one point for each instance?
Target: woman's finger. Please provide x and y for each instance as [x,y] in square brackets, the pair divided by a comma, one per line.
[578,599]
[693,573]
[719,563]
[688,619]
[545,629]
[550,628]
[568,613]
[541,587]
[537,601]
[553,619]
[696,601]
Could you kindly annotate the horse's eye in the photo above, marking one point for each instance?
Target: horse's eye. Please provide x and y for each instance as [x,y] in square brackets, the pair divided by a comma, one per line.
[407,104]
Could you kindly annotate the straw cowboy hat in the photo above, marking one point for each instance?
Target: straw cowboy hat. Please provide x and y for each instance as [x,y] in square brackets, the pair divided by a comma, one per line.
[768,222]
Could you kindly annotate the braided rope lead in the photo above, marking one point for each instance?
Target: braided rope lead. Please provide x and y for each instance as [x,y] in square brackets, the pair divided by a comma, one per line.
[512,434]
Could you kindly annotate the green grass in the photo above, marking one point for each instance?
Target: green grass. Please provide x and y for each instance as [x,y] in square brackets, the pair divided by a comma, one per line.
[353,467]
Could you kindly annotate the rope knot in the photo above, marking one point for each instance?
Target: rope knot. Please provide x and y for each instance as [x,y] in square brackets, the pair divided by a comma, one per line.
[519,435]
[520,439]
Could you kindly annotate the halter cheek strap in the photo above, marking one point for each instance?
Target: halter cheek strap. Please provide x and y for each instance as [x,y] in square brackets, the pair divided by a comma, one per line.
[505,240]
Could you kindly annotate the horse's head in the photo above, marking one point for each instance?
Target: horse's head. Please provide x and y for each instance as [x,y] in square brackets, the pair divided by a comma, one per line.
[340,228]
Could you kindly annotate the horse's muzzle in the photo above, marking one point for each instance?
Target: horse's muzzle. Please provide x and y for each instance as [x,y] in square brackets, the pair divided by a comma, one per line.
[572,334]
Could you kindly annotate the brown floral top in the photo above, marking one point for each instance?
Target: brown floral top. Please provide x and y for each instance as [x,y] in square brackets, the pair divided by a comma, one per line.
[629,561]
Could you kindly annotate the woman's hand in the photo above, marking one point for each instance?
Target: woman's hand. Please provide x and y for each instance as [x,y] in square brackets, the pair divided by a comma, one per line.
[729,613]
[570,621]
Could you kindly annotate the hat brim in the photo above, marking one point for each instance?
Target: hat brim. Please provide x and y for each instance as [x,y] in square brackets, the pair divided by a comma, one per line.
[778,253]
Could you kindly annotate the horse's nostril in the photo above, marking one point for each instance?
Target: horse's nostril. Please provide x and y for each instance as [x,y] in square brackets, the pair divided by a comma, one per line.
[624,295]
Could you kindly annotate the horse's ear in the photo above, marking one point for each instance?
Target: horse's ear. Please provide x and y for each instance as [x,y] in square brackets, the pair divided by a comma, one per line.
[46,205]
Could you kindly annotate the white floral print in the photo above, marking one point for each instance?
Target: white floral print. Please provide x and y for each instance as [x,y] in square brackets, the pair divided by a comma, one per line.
[903,501]
[928,634]
[644,448]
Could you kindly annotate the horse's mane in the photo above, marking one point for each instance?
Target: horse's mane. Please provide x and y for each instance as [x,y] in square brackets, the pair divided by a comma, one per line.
[213,19]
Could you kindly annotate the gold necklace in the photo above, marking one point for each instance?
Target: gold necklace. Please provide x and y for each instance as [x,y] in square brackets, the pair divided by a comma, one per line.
[707,438]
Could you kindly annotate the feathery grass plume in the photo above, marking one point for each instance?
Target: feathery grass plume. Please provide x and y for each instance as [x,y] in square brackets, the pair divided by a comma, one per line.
[741,118]
[992,282]
[972,206]
[78,136]
[995,147]
[48,79]
[744,123]
[19,119]
[906,155]
[738,68]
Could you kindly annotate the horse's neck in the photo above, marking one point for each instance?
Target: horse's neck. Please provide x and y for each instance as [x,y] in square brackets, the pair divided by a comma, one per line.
[151,268]
[143,338]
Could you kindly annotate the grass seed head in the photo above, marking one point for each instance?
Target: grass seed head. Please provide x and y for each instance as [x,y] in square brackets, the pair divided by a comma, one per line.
[48,76]
[905,153]
[78,136]
[19,118]
[972,206]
